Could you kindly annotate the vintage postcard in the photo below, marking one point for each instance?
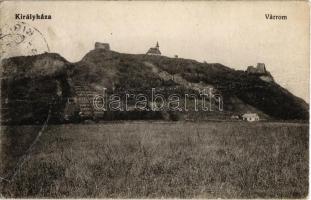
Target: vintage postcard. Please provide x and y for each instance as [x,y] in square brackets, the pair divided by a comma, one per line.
[154,99]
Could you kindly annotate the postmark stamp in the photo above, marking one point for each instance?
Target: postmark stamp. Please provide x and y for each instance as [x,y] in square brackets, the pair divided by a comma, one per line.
[21,39]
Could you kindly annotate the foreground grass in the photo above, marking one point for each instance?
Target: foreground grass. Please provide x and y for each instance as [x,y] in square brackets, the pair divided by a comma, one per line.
[193,160]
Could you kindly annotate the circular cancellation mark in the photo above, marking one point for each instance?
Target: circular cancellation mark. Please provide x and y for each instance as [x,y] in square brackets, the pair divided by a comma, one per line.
[21,39]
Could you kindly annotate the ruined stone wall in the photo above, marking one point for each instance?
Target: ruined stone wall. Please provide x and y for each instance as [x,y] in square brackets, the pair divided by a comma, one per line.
[99,45]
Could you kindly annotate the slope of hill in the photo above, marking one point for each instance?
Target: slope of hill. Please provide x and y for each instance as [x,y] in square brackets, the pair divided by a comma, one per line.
[48,79]
[31,86]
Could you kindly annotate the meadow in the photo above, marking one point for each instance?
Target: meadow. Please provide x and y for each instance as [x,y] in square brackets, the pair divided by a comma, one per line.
[159,159]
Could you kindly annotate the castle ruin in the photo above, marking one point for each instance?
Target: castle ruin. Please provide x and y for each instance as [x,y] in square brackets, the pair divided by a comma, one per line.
[105,46]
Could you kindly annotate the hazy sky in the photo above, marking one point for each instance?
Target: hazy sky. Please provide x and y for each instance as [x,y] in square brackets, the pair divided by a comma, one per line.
[236,34]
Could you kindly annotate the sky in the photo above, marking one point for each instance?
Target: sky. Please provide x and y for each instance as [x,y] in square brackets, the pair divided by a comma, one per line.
[236,34]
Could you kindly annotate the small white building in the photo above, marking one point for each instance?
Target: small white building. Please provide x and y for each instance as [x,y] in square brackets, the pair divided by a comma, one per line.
[250,117]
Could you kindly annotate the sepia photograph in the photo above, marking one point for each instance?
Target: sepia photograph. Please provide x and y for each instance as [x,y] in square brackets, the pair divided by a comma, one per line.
[154,99]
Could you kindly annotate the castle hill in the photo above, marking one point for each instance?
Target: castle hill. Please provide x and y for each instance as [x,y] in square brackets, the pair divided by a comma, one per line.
[204,101]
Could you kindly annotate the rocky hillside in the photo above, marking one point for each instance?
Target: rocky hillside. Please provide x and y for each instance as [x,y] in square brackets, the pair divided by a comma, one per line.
[34,84]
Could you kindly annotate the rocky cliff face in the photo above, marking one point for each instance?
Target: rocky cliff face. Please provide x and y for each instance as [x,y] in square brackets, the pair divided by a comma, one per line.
[31,86]
[48,79]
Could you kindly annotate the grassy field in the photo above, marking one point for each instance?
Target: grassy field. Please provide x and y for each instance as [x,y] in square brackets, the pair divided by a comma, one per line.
[145,159]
